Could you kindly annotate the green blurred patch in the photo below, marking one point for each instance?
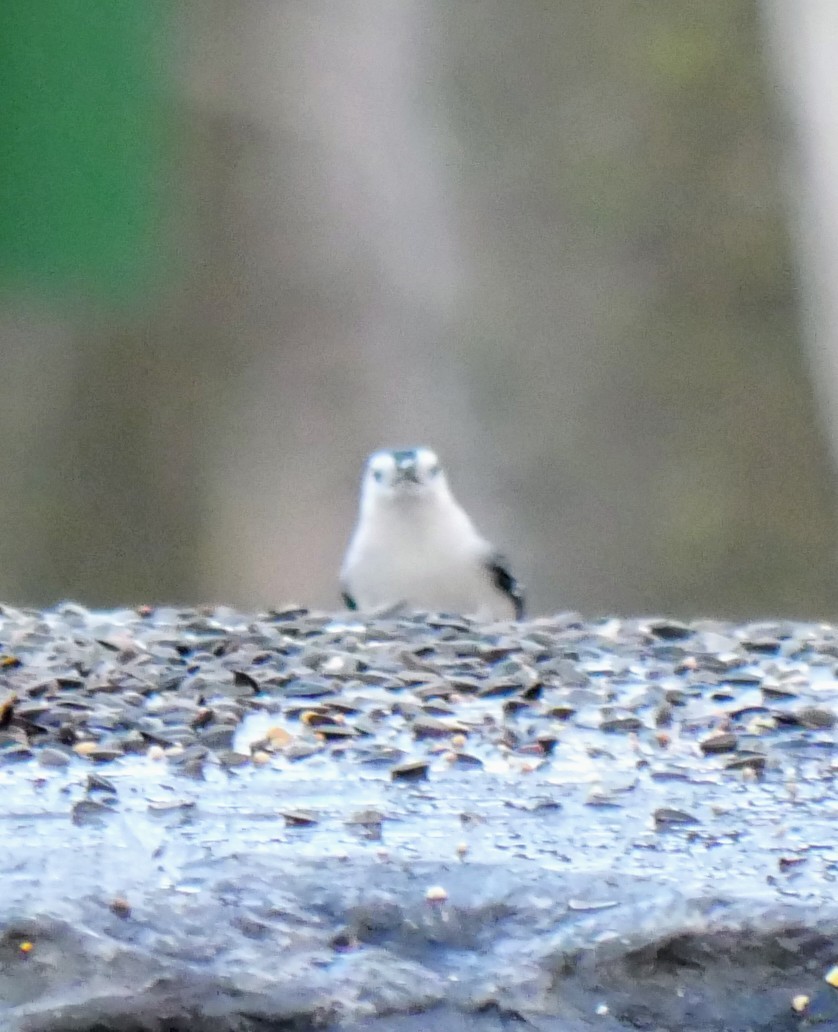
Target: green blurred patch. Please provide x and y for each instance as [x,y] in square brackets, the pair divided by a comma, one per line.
[684,53]
[83,125]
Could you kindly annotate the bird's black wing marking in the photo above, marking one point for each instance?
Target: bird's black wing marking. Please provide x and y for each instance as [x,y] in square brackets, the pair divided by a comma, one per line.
[505,582]
[348,600]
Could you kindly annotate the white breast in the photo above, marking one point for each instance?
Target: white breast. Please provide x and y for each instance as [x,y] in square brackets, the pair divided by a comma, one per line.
[422,556]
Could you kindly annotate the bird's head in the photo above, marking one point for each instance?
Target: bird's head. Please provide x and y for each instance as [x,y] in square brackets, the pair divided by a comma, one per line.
[402,474]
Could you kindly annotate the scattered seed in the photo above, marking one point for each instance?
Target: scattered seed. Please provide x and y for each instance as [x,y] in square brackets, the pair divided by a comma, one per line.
[414,770]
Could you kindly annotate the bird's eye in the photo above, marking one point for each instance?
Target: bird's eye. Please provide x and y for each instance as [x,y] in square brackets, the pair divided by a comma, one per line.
[378,475]
[434,470]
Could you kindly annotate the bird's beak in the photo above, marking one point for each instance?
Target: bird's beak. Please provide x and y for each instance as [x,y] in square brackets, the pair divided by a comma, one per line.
[406,472]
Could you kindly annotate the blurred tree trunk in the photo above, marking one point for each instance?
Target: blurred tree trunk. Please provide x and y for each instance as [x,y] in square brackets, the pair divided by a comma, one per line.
[338,250]
[803,37]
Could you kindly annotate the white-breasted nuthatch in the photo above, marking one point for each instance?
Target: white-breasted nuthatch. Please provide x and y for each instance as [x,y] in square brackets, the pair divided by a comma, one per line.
[414,547]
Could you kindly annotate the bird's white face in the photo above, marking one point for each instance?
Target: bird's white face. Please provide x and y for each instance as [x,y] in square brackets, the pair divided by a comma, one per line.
[401,474]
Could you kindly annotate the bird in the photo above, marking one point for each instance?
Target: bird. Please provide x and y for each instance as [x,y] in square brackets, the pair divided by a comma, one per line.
[415,548]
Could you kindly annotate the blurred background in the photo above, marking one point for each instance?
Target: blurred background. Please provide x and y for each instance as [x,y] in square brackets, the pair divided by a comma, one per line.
[586,251]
